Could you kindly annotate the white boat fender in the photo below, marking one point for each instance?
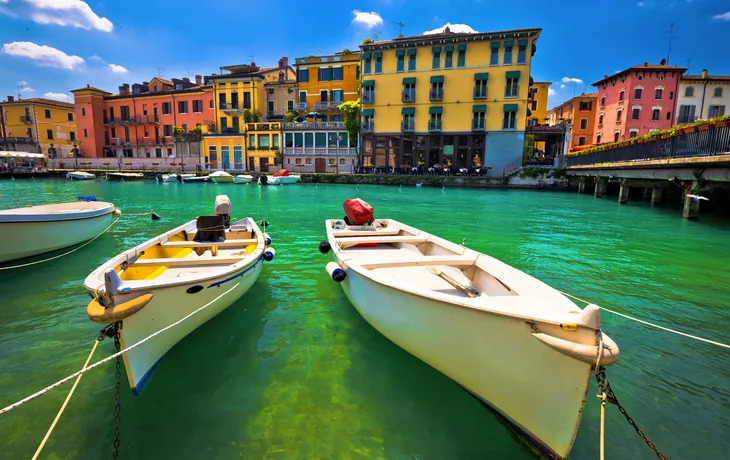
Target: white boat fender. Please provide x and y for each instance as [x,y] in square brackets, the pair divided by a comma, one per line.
[324,247]
[267,239]
[269,254]
[336,272]
[117,212]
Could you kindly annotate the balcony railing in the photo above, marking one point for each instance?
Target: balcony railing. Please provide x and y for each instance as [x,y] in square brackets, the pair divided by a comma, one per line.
[329,151]
[477,124]
[409,95]
[368,98]
[301,106]
[263,126]
[312,125]
[326,105]
[367,127]
[434,125]
[136,120]
[480,93]
[406,126]
[17,140]
[26,119]
[436,95]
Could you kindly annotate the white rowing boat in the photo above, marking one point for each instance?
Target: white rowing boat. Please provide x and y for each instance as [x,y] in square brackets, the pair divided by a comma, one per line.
[242,179]
[195,179]
[79,175]
[221,177]
[124,176]
[509,339]
[25,232]
[159,282]
[175,177]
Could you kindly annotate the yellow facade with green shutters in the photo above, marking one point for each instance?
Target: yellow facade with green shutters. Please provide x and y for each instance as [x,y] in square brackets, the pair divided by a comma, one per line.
[256,151]
[538,102]
[47,122]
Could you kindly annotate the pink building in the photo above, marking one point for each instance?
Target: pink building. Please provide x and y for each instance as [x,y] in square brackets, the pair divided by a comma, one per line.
[636,101]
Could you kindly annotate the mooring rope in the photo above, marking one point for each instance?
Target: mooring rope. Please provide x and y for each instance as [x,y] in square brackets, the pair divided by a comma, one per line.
[673,331]
[109,358]
[63,406]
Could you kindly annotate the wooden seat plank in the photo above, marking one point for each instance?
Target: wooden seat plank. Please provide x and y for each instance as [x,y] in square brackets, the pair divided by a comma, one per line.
[205,244]
[349,233]
[423,261]
[347,242]
[184,261]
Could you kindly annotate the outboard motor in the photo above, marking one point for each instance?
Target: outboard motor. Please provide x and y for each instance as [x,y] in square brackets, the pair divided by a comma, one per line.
[263,180]
[223,208]
[179,178]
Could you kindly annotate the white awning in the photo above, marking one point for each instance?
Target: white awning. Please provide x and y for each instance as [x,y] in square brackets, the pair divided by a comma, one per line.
[20,155]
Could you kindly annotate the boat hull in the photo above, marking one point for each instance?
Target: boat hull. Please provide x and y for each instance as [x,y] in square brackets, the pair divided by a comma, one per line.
[535,389]
[82,176]
[289,179]
[170,304]
[221,179]
[242,179]
[27,239]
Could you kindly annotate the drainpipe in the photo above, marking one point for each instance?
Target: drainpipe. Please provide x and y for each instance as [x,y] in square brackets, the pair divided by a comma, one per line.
[702,106]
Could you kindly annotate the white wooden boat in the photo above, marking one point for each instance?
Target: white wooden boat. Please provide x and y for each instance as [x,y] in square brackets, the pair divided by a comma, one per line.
[164,279]
[176,177]
[79,175]
[269,180]
[124,176]
[512,341]
[291,179]
[33,230]
[221,177]
[242,179]
[195,179]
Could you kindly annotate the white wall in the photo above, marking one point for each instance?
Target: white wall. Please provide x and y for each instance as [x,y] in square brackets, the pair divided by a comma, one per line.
[700,87]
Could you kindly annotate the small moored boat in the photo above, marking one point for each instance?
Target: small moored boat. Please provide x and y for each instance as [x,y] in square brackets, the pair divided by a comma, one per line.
[33,230]
[242,179]
[512,341]
[124,176]
[174,177]
[221,177]
[195,178]
[269,180]
[204,263]
[79,175]
[285,177]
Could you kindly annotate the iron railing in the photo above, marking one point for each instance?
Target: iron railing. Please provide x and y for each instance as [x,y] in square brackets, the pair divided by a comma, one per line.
[301,106]
[434,125]
[436,95]
[409,95]
[326,105]
[312,125]
[26,119]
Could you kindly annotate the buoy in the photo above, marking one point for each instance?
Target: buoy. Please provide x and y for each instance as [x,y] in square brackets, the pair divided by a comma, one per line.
[324,247]
[264,223]
[269,254]
[117,212]
[267,239]
[336,272]
[155,216]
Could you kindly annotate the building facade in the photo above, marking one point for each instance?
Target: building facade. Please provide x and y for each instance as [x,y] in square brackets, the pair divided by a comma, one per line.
[319,147]
[452,100]
[49,124]
[636,101]
[538,103]
[144,120]
[702,96]
[324,82]
[580,115]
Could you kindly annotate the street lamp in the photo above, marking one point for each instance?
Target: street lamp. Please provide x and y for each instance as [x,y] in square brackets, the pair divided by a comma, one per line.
[337,154]
[75,150]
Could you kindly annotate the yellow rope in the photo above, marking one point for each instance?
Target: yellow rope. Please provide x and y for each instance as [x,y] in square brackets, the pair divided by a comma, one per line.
[63,406]
[603,420]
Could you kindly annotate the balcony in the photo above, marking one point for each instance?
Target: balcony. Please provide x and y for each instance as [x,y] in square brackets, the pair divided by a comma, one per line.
[367,127]
[328,151]
[409,95]
[368,98]
[301,106]
[436,95]
[407,126]
[232,109]
[313,125]
[263,126]
[326,106]
[478,124]
[480,93]
[433,126]
[26,119]
[136,120]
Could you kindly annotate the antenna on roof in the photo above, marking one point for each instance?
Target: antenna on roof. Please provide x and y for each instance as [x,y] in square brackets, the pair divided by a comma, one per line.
[251,57]
[689,63]
[400,28]
[671,37]
[375,36]
[187,72]
[19,88]
[160,72]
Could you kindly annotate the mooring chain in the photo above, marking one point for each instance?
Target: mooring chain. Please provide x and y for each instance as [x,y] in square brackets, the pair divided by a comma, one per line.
[605,391]
[118,395]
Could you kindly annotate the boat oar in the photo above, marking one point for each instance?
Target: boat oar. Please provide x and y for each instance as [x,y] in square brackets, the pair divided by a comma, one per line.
[462,287]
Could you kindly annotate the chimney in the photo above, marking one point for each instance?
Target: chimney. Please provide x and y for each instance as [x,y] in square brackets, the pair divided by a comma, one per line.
[282,77]
[186,80]
[198,80]
[11,98]
[705,74]
[646,64]
[284,62]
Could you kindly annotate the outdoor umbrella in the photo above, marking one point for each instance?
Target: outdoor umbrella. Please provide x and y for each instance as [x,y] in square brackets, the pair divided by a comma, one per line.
[315,115]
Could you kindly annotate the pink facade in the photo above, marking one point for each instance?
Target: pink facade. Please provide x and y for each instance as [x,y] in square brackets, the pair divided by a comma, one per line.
[636,101]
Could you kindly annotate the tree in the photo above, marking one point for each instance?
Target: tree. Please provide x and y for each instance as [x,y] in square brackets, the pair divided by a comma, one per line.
[367,41]
[346,51]
[351,110]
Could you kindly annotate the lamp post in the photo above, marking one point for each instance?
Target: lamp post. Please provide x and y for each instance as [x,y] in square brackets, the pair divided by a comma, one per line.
[75,150]
[337,154]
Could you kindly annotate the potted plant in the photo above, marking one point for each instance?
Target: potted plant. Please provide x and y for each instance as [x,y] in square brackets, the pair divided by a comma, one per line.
[723,121]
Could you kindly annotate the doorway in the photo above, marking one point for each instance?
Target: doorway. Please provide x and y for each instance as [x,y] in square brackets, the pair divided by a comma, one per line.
[320,165]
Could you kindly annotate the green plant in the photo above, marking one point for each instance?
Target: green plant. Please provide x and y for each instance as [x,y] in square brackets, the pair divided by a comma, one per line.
[351,110]
[532,173]
[289,117]
[346,51]
[178,130]
[196,130]
[367,41]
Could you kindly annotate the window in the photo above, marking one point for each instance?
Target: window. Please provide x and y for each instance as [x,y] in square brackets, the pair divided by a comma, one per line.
[635,113]
[434,122]
[167,130]
[289,106]
[182,107]
[114,132]
[598,138]
[125,112]
[86,133]
[621,95]
[197,106]
[178,86]
[461,59]
[507,58]
[494,56]
[669,116]
[479,119]
[521,54]
[671,95]
[158,153]
[718,92]
[368,66]
[275,140]
[166,108]
[409,92]
[212,104]
[412,60]
[378,63]
[600,120]
[633,133]
[585,105]
[618,115]
[717,111]
[252,140]
[400,63]
[583,123]
[655,114]
[325,74]
[637,93]
[437,91]
[302,96]
[408,121]
[512,88]
[270,107]
[264,140]
[70,116]
[449,59]
[689,91]
[83,111]
[337,73]
[436,59]
[533,105]
[146,133]
[303,75]
[308,161]
[72,136]
[155,89]
[616,136]
[658,94]
[510,119]
[603,101]
[581,140]
[47,113]
[247,100]
[49,134]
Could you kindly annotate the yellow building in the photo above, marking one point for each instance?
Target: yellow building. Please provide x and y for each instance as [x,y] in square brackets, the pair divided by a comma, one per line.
[324,82]
[453,100]
[242,139]
[538,103]
[47,122]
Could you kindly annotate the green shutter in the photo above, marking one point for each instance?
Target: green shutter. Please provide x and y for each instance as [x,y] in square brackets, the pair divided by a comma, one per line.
[378,54]
[412,52]
[461,47]
[368,112]
[509,43]
[449,48]
[481,76]
[408,111]
[437,79]
[522,42]
[366,55]
[435,110]
[409,81]
[513,74]
[400,52]
[532,81]
[480,108]
[495,44]
[510,107]
[436,49]
[366,83]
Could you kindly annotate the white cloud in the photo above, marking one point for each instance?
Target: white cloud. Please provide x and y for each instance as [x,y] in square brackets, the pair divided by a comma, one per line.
[4,1]
[640,4]
[43,55]
[63,97]
[577,81]
[27,89]
[562,86]
[458,28]
[117,68]
[723,16]
[369,20]
[74,13]
[22,82]
[95,57]
[551,92]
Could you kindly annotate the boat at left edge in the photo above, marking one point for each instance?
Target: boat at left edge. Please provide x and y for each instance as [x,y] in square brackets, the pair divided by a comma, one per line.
[202,266]
[34,230]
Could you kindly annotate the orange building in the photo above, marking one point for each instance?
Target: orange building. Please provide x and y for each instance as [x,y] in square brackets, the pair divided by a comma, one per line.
[327,81]
[580,112]
[142,122]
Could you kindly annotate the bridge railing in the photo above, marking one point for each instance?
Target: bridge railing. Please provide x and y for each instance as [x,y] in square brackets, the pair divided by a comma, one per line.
[714,141]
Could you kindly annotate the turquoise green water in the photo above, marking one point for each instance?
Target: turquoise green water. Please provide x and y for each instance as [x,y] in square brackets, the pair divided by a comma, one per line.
[291,371]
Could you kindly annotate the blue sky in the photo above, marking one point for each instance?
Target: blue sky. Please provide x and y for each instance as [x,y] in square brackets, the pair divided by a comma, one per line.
[55,45]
